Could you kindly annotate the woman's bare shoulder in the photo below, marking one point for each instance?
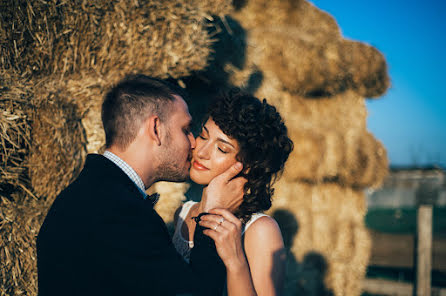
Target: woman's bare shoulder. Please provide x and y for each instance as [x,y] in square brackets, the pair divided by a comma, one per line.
[264,230]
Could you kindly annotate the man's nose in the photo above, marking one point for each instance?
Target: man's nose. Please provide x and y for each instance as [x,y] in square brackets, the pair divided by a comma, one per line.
[193,144]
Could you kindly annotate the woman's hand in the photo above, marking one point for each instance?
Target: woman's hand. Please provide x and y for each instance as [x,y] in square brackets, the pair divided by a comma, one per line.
[226,230]
[225,190]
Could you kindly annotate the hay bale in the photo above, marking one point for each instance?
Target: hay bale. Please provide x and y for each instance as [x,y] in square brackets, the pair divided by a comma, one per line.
[356,239]
[170,41]
[44,141]
[305,162]
[18,231]
[330,138]
[341,112]
[330,224]
[302,15]
[352,159]
[159,38]
[310,60]
[92,123]
[319,155]
[315,69]
[48,36]
[171,198]
[382,170]
[15,133]
[368,164]
[212,8]
[86,91]
[58,148]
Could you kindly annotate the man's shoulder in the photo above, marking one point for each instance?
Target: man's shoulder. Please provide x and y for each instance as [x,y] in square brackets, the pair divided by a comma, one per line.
[95,186]
[98,174]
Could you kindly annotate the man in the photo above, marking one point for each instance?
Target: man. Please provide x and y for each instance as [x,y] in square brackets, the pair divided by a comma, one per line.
[102,235]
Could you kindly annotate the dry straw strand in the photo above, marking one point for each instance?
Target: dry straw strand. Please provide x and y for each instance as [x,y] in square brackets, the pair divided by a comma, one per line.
[159,38]
[15,132]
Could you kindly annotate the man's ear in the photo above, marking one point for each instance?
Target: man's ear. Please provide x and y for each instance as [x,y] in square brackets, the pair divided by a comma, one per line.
[153,128]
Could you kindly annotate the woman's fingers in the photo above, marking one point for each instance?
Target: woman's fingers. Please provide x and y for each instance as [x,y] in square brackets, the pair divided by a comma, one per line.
[215,226]
[212,217]
[211,234]
[225,230]
[227,215]
[223,222]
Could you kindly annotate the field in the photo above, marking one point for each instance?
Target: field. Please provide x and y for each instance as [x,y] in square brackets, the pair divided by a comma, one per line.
[393,235]
[403,221]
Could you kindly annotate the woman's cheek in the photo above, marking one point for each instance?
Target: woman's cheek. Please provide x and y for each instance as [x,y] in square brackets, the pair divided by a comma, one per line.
[223,163]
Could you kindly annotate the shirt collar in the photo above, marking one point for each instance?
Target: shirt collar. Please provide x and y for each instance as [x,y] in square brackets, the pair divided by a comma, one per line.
[127,169]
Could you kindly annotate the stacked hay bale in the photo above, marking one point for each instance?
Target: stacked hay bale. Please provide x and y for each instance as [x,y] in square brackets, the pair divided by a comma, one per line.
[43,144]
[57,61]
[160,38]
[296,57]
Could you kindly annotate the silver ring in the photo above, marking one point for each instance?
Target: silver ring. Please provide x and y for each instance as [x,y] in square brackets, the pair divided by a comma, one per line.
[216,226]
[221,220]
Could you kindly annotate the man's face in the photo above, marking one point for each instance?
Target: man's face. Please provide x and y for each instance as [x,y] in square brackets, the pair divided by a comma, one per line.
[178,142]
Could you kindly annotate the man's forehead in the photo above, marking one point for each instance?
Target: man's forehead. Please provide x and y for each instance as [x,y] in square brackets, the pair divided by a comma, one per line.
[181,107]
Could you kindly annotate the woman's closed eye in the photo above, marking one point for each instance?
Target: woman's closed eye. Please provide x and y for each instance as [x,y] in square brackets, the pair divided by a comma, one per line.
[222,150]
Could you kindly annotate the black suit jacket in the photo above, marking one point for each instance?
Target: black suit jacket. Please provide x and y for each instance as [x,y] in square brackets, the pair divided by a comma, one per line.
[100,237]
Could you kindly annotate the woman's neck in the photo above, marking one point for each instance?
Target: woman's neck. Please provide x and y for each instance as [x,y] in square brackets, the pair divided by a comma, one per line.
[199,209]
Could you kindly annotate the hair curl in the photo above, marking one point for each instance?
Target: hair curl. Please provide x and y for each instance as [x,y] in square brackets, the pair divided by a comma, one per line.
[264,145]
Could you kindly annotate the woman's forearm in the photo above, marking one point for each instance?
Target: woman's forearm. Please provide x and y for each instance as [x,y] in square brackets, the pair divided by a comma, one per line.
[239,280]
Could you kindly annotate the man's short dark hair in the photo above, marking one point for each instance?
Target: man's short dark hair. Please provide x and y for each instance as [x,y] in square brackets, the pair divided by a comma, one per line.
[128,104]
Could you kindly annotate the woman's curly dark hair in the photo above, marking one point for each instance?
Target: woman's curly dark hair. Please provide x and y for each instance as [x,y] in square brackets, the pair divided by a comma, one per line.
[264,145]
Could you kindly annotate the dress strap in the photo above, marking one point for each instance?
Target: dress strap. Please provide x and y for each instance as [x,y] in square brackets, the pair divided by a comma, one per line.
[183,213]
[253,219]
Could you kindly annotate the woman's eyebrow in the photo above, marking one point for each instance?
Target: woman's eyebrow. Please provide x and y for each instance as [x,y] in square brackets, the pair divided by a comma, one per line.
[219,139]
[226,142]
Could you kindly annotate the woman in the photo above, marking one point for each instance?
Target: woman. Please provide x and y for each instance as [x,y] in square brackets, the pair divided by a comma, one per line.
[240,128]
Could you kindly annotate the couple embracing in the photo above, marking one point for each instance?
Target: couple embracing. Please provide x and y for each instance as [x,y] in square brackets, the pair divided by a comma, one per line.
[102,236]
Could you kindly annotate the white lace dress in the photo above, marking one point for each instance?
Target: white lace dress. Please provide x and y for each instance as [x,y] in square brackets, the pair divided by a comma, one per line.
[183,245]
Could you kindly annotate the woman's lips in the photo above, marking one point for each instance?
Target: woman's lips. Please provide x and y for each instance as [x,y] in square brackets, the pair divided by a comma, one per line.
[199,166]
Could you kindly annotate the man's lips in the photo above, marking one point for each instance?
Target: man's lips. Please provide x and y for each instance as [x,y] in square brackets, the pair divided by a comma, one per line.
[199,166]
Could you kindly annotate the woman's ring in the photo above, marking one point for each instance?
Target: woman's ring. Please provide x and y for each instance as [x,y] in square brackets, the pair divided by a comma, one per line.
[216,226]
[221,220]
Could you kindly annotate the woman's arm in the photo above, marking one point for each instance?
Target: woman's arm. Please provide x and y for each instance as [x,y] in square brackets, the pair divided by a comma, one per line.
[225,229]
[266,256]
[265,253]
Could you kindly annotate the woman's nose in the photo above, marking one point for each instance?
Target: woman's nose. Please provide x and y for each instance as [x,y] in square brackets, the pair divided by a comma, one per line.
[202,150]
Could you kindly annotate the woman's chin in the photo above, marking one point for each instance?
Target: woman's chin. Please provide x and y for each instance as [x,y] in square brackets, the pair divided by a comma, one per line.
[198,179]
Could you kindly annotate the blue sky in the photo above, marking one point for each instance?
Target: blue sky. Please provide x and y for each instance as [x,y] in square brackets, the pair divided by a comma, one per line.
[410,119]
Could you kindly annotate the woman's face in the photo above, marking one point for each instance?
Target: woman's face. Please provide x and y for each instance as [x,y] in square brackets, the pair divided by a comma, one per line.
[214,153]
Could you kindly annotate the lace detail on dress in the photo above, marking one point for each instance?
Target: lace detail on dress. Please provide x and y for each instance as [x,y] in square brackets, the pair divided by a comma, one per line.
[182,245]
